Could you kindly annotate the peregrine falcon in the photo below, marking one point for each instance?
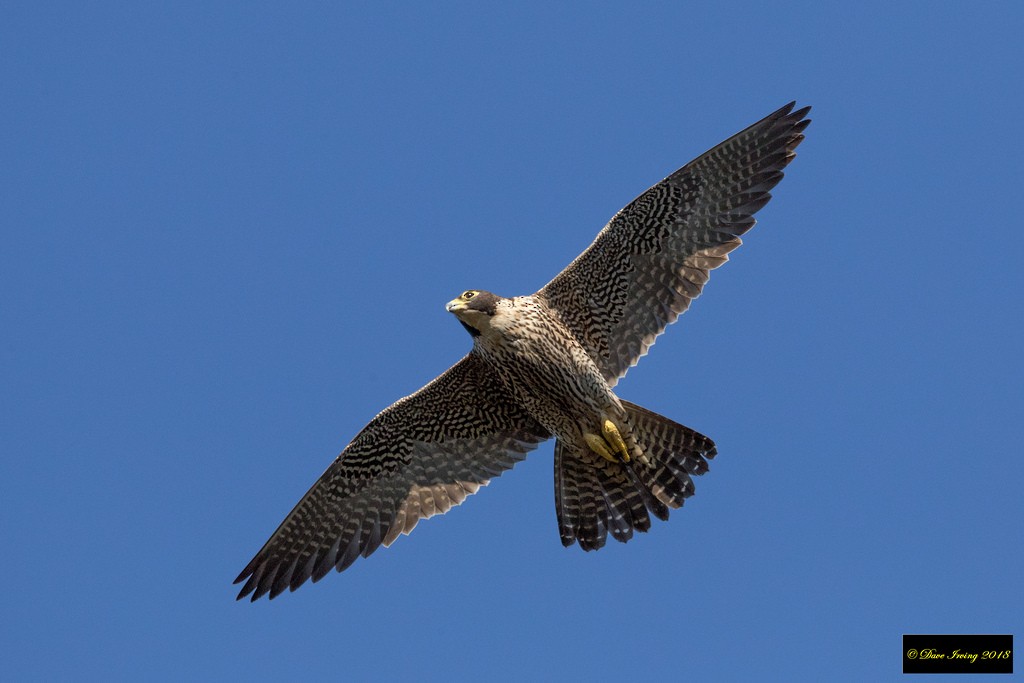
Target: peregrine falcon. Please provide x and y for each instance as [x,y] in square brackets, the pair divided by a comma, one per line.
[544,366]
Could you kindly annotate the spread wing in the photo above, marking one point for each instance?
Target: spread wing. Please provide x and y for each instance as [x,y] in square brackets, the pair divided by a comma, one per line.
[654,256]
[417,458]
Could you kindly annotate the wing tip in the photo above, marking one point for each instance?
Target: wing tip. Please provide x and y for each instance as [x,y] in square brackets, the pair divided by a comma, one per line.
[787,110]
[785,120]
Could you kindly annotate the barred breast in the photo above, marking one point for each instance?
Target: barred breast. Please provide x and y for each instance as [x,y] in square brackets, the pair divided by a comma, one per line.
[544,365]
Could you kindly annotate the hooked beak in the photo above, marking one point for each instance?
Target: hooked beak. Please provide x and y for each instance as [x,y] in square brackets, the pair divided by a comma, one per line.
[455,305]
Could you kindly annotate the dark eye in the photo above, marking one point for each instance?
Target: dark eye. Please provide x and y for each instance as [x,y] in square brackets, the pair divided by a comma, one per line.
[468,294]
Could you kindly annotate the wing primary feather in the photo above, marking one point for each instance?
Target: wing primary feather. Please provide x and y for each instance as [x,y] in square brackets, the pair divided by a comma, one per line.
[411,461]
[693,218]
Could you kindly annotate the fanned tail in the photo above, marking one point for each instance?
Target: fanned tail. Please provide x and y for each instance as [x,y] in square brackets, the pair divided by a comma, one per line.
[594,496]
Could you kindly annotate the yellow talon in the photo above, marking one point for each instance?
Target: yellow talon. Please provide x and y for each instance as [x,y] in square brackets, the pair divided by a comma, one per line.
[598,445]
[613,437]
[610,445]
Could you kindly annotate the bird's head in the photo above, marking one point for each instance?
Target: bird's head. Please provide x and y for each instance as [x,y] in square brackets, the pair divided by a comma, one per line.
[474,309]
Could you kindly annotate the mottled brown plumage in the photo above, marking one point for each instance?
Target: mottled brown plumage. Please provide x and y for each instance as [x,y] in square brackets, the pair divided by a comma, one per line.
[542,366]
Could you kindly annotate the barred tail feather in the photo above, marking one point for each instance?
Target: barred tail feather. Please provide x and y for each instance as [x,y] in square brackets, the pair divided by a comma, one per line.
[672,454]
[594,497]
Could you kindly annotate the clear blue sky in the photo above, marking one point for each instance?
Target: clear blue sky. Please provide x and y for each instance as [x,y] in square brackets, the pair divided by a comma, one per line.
[229,230]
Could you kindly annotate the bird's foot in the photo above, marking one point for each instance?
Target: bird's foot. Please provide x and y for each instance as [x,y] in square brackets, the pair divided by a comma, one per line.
[610,446]
[612,436]
[599,446]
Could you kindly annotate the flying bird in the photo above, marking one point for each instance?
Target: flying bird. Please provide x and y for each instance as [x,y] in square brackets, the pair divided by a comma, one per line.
[544,366]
